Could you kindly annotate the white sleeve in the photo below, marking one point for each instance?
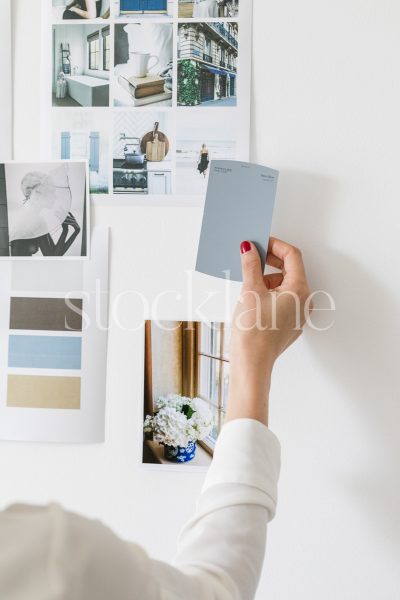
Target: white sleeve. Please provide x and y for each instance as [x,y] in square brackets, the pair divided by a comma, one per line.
[221,550]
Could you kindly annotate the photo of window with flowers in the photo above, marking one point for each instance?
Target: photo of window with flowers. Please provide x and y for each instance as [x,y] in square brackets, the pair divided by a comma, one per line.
[185,392]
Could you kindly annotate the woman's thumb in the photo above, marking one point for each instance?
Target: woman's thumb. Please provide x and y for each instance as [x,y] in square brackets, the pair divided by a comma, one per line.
[251,265]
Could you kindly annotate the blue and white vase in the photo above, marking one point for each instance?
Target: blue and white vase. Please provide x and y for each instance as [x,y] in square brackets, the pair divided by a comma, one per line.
[179,454]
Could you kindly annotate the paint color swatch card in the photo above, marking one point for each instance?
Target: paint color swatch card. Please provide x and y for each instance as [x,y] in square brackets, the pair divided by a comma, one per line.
[239,206]
[53,348]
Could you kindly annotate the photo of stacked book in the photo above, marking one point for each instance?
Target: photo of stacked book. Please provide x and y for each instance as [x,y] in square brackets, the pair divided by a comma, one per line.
[145,90]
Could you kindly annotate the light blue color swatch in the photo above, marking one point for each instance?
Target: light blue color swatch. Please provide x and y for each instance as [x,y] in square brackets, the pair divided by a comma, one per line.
[44,352]
[239,205]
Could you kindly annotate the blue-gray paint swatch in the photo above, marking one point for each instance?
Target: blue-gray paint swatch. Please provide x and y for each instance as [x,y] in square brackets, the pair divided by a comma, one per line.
[239,206]
[44,352]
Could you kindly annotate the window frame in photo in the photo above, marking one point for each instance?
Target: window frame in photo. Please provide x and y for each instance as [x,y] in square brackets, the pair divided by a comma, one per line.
[223,359]
[106,49]
[93,38]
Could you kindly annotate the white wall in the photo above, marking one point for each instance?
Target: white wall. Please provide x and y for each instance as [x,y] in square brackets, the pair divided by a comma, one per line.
[326,98]
[6,71]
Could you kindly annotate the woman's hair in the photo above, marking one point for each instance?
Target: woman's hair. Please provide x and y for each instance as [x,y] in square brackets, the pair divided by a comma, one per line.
[32,181]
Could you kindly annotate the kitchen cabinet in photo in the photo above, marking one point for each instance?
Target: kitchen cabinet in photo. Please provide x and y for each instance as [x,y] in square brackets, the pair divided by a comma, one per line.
[159,182]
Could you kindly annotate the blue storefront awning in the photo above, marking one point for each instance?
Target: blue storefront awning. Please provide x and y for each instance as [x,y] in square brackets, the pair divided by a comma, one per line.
[215,71]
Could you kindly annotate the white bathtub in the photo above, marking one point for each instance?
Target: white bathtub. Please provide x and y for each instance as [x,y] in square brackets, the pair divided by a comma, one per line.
[88,91]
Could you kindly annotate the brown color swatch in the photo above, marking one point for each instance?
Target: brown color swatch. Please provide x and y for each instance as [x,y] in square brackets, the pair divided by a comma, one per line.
[46,314]
[30,391]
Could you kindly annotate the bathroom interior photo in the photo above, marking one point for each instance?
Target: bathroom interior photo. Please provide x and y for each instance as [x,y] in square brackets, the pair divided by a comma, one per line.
[81,65]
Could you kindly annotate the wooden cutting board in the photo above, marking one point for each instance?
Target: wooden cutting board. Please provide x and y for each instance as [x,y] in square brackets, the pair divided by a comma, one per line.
[155,150]
[149,137]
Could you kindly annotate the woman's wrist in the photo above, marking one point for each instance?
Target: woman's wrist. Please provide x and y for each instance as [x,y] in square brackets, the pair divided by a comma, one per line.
[248,396]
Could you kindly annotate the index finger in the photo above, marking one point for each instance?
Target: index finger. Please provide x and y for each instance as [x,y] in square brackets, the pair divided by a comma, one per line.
[293,265]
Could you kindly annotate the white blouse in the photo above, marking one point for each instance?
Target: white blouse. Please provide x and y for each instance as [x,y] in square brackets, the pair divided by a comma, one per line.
[49,554]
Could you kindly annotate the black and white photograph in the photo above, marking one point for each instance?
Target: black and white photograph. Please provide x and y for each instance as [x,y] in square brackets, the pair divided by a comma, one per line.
[81,65]
[144,9]
[67,10]
[202,136]
[43,210]
[208,63]
[143,73]
[143,152]
[185,391]
[199,9]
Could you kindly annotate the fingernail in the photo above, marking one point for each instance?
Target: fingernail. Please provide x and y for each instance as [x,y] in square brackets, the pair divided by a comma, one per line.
[245,247]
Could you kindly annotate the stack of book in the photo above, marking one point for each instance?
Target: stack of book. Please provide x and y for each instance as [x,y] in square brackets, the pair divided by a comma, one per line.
[145,90]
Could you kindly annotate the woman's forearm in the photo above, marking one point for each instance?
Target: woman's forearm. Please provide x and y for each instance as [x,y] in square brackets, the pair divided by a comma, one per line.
[247,399]
[90,13]
[222,548]
[249,382]
[82,13]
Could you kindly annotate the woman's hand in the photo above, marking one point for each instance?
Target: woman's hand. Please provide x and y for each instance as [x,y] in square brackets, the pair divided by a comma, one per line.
[269,317]
[71,221]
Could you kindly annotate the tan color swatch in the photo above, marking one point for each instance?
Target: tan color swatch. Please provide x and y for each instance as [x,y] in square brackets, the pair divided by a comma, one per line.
[31,391]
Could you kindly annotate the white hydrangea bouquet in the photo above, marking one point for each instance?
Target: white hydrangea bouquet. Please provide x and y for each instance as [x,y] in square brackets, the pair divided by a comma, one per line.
[178,423]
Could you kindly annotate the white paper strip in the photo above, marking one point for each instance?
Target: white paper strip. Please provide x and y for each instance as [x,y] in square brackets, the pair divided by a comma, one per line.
[6,81]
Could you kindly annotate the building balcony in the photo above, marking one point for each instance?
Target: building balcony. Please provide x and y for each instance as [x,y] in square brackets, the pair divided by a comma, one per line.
[224,32]
[195,54]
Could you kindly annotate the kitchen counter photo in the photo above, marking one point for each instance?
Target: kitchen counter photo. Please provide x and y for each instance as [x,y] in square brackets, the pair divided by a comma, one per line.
[141,154]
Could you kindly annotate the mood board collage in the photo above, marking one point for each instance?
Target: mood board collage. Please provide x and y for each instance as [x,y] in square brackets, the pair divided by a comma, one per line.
[137,99]
[148,91]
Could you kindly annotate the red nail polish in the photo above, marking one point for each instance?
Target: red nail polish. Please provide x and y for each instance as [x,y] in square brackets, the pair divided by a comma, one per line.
[245,247]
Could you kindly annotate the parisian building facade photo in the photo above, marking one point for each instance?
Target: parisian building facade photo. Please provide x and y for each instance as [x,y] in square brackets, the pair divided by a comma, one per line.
[207,63]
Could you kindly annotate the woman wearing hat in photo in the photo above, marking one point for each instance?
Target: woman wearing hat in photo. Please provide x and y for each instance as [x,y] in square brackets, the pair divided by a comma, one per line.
[44,211]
